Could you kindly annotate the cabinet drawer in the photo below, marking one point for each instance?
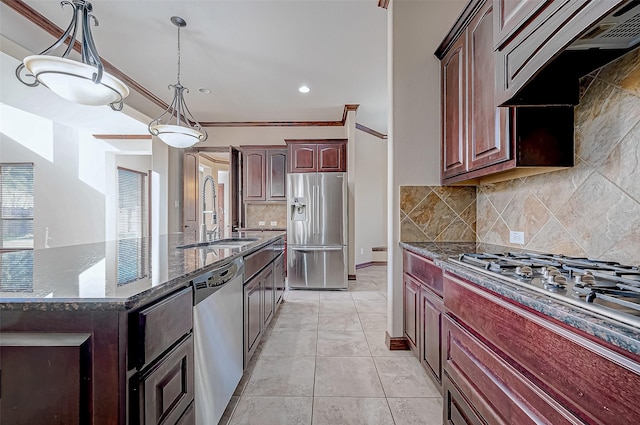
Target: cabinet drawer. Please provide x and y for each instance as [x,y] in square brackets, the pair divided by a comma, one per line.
[156,328]
[166,390]
[499,392]
[256,261]
[424,270]
[556,359]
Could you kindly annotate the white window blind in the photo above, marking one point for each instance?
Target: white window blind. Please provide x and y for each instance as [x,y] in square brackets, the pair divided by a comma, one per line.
[132,225]
[16,227]
[16,206]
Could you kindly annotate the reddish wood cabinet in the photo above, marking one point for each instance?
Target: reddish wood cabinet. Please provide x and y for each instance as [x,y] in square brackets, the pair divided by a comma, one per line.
[309,156]
[99,366]
[454,105]
[276,174]
[514,365]
[254,179]
[264,174]
[482,143]
[411,301]
[423,307]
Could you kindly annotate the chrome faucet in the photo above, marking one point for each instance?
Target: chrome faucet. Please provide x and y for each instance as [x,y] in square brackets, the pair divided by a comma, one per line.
[205,234]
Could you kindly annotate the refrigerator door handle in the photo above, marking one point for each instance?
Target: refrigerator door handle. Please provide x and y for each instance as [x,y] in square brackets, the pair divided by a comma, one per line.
[316,215]
[316,248]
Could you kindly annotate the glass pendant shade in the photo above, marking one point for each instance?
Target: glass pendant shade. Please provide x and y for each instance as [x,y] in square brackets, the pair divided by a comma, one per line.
[176,136]
[176,126]
[73,80]
[80,82]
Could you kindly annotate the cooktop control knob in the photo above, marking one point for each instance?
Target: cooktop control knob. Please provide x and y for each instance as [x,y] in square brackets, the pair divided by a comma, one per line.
[546,271]
[524,271]
[586,279]
[556,279]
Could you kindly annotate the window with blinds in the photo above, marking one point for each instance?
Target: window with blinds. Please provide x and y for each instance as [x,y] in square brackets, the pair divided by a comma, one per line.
[132,225]
[16,206]
[16,227]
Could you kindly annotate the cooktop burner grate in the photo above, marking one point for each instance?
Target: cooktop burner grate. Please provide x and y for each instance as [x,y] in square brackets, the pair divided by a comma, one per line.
[605,287]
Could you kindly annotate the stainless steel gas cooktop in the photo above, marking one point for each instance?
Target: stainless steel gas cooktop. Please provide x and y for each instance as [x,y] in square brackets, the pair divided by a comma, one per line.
[603,287]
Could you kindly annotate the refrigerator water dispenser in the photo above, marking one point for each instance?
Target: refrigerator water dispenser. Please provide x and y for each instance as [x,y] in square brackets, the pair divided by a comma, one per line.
[298,210]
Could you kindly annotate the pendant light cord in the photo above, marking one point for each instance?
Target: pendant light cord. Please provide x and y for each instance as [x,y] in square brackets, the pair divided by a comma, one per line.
[178,55]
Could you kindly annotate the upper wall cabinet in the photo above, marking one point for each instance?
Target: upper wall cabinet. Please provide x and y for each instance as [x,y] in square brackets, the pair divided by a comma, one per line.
[323,155]
[542,47]
[481,142]
[265,174]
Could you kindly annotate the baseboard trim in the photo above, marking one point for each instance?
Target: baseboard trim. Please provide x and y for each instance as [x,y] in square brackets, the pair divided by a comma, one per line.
[370,263]
[351,277]
[396,343]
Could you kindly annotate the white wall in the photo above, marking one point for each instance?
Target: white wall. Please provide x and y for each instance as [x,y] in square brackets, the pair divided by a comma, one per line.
[69,202]
[371,196]
[415,28]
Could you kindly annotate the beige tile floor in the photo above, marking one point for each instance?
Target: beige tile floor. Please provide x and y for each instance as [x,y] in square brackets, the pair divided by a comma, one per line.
[323,361]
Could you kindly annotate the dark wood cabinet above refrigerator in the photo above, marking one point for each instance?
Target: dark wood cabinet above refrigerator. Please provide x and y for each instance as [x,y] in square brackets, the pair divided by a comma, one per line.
[321,155]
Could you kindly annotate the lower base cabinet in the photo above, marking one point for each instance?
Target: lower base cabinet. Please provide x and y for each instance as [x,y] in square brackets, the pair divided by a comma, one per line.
[423,306]
[263,293]
[511,365]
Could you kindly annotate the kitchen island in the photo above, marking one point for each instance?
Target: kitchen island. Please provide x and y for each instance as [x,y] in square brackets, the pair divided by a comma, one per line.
[87,330]
[504,353]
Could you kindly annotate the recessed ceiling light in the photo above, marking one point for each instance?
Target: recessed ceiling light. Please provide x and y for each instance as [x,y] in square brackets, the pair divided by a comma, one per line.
[204,90]
[304,89]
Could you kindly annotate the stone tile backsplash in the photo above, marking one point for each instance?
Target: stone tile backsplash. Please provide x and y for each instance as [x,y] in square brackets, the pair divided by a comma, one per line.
[592,209]
[267,213]
[437,214]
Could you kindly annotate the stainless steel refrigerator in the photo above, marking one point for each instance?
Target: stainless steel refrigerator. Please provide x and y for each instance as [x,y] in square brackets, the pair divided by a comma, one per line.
[317,253]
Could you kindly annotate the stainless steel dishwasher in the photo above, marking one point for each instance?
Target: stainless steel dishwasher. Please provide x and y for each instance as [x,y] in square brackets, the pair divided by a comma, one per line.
[217,328]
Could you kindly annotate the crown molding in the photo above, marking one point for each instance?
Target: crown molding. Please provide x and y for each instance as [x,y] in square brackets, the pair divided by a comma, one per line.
[41,21]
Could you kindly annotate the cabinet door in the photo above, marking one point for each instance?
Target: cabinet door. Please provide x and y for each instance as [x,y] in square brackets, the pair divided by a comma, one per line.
[303,158]
[276,175]
[268,297]
[431,307]
[252,316]
[454,109]
[167,389]
[411,310]
[332,157]
[457,410]
[254,182]
[488,141]
[46,378]
[509,14]
[279,278]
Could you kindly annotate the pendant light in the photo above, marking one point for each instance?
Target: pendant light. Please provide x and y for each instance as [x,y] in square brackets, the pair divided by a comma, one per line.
[177,127]
[80,82]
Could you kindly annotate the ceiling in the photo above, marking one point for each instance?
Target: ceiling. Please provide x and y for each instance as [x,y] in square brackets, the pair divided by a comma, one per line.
[252,55]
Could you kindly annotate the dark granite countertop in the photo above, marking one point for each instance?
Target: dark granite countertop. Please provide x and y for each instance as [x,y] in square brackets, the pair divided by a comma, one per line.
[617,334]
[110,275]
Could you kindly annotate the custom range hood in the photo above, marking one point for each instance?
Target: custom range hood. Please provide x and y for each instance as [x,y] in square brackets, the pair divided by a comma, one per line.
[540,60]
[619,30]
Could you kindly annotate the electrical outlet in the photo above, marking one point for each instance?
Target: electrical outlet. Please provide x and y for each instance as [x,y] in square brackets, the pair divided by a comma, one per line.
[516,237]
[361,251]
[261,223]
[274,223]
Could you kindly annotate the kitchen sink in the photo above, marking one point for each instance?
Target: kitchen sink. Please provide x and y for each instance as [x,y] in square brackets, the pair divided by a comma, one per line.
[221,243]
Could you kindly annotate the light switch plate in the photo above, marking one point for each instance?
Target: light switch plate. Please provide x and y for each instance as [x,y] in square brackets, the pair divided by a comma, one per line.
[516,237]
[261,223]
[274,223]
